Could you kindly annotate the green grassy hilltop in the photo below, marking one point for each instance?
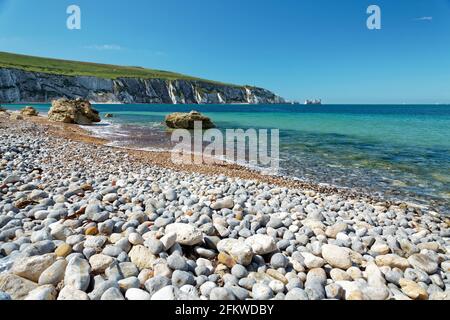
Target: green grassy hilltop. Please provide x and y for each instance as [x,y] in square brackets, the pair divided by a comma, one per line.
[76,68]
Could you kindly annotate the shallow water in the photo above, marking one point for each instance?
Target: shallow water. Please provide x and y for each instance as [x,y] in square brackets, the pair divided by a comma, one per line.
[399,151]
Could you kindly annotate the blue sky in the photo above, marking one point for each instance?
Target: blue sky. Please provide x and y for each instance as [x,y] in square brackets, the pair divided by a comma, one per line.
[298,48]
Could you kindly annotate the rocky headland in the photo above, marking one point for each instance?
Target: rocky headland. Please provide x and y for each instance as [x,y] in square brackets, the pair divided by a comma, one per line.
[83,221]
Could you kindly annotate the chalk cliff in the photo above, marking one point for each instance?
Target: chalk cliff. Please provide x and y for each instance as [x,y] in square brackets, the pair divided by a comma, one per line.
[20,86]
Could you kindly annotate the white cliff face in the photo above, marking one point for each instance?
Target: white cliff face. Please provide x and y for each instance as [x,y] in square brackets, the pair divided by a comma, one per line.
[198,96]
[219,96]
[172,93]
[248,96]
[18,86]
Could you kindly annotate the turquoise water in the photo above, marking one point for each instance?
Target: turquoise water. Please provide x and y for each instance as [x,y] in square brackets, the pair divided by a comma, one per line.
[398,151]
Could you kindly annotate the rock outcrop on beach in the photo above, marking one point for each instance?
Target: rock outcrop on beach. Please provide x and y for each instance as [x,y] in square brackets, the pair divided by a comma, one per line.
[16,116]
[181,120]
[19,86]
[76,111]
[29,112]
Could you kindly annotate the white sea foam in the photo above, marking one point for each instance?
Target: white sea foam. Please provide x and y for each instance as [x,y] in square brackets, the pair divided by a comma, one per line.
[107,130]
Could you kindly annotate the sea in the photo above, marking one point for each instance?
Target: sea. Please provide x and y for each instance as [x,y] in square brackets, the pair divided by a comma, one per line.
[396,152]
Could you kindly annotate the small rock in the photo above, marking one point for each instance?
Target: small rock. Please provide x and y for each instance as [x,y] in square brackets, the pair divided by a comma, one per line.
[71,294]
[413,290]
[142,257]
[100,262]
[332,231]
[296,294]
[393,261]
[112,294]
[156,246]
[374,276]
[311,261]
[377,294]
[226,260]
[137,294]
[91,231]
[168,293]
[128,269]
[40,235]
[206,288]
[262,292]
[337,257]
[275,223]
[240,293]
[31,267]
[186,234]
[168,240]
[340,275]
[316,275]
[144,275]
[135,239]
[237,249]
[352,290]
[334,291]
[278,260]
[221,294]
[170,195]
[13,178]
[277,286]
[53,274]
[17,287]
[239,271]
[110,197]
[261,244]
[181,278]
[354,273]
[423,262]
[29,111]
[128,283]
[77,274]
[63,250]
[43,293]
[445,266]
[156,283]
[96,242]
[277,275]
[380,248]
[177,262]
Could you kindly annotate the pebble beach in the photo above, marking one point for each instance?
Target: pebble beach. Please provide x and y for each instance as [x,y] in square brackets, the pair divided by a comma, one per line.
[80,220]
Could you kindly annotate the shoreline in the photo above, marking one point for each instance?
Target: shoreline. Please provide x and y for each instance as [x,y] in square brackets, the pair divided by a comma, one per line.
[162,158]
[83,221]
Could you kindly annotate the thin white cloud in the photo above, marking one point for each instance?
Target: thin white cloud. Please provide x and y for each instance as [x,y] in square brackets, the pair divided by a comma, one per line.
[10,39]
[103,47]
[424,19]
